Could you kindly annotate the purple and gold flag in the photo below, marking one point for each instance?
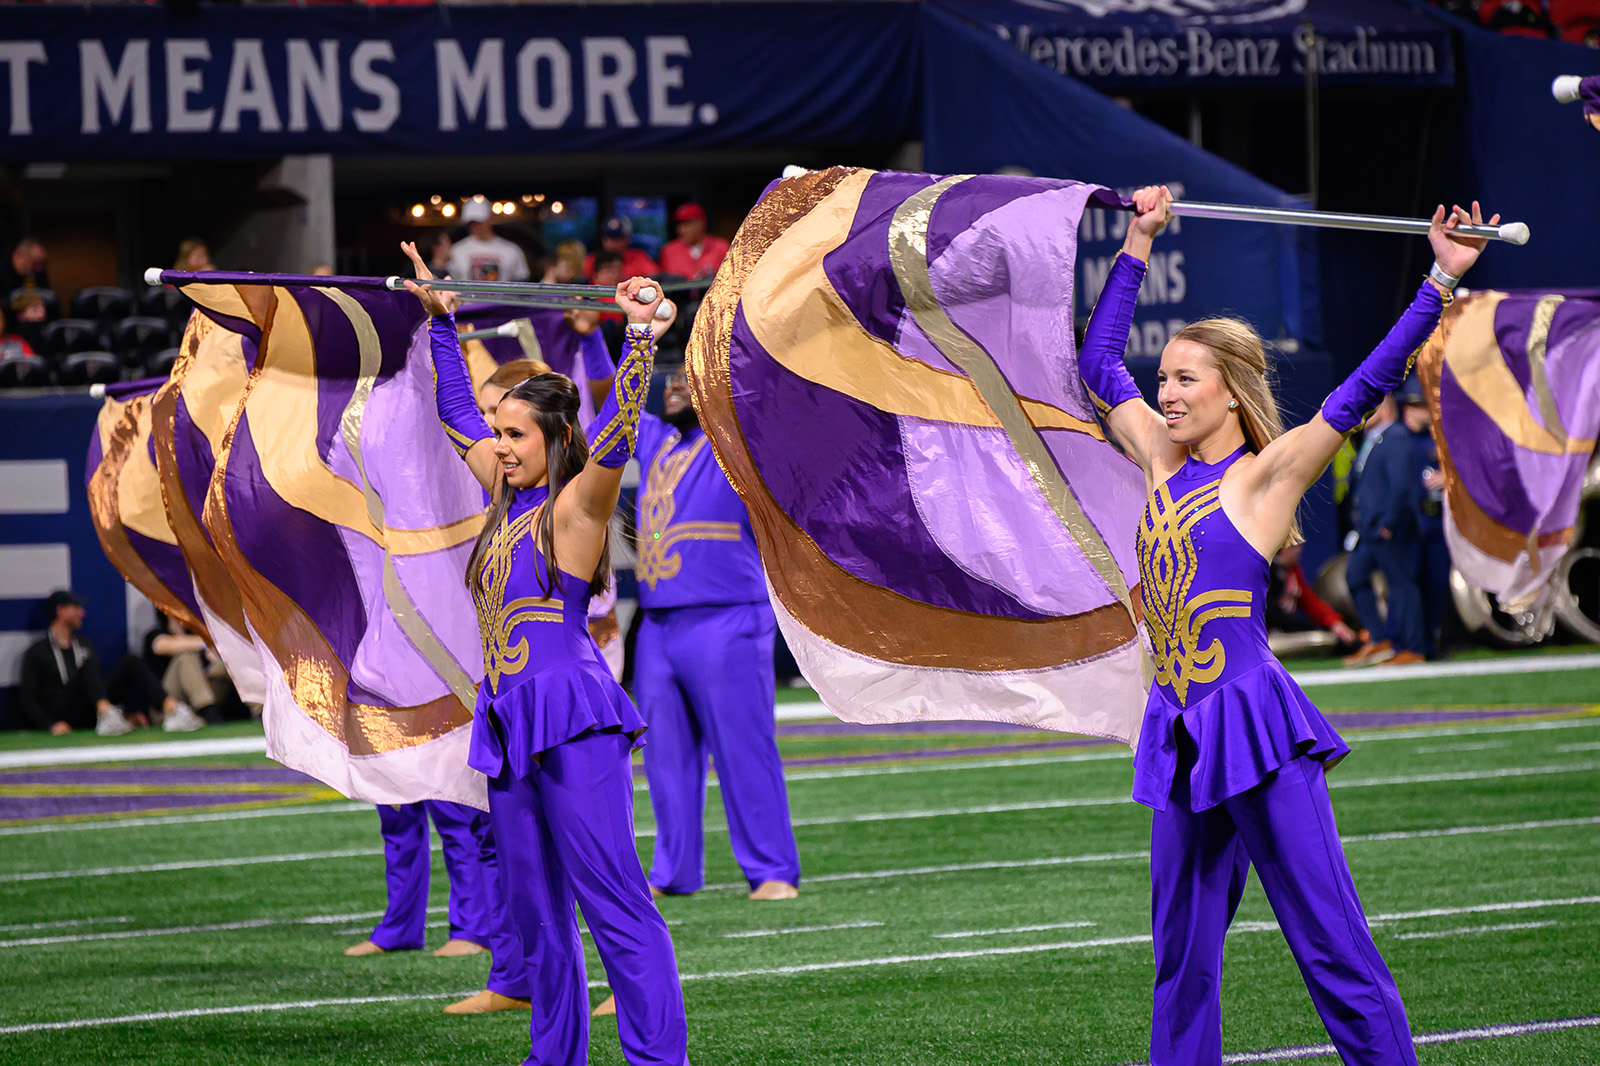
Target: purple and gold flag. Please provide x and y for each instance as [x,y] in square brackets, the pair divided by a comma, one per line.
[1589,93]
[886,368]
[1513,385]
[344,520]
[126,506]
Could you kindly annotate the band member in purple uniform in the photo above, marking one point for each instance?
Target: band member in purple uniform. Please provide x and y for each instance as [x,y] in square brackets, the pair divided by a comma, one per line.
[553,731]
[1232,755]
[703,662]
[478,919]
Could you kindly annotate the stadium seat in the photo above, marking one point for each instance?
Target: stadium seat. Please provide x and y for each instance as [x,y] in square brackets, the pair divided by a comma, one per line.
[70,335]
[23,371]
[17,297]
[102,303]
[159,301]
[159,365]
[137,338]
[88,368]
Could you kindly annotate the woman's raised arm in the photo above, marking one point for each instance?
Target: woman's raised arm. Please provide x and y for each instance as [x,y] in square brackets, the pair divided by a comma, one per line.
[1287,467]
[453,393]
[1135,424]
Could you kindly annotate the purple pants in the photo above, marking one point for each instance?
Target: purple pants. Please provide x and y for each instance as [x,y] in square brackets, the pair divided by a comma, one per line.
[478,910]
[406,865]
[1198,865]
[704,681]
[565,836]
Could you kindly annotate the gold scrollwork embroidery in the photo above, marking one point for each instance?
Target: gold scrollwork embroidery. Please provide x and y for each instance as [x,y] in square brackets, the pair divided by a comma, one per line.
[497,619]
[657,533]
[630,389]
[1167,568]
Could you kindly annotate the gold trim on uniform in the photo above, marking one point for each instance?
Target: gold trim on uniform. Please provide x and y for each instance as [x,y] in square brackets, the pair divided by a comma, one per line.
[1167,567]
[657,533]
[497,618]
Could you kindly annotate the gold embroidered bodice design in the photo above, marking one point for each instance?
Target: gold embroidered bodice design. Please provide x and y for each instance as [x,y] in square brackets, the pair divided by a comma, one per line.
[497,618]
[1167,569]
[658,535]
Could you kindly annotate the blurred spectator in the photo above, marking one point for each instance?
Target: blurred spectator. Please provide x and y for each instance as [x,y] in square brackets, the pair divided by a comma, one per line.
[608,271]
[617,236]
[439,253]
[1577,21]
[61,687]
[1294,607]
[1384,512]
[26,267]
[193,686]
[482,256]
[30,312]
[1433,555]
[506,377]
[570,256]
[193,255]
[322,270]
[12,344]
[694,253]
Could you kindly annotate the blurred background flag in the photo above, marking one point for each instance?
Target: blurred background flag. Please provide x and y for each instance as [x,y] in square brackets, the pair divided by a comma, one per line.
[1513,386]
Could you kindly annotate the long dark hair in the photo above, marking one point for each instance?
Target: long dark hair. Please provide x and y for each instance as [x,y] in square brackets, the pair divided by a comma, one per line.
[554,400]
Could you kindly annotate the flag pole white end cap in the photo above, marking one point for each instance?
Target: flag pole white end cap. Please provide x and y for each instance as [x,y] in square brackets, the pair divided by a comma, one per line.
[1515,232]
[153,276]
[1565,88]
[793,171]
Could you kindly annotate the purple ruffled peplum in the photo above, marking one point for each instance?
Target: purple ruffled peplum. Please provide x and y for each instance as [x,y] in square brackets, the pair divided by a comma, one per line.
[1204,590]
[547,682]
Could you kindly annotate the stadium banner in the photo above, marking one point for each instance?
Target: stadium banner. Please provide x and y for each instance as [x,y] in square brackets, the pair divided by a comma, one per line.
[140,82]
[1127,44]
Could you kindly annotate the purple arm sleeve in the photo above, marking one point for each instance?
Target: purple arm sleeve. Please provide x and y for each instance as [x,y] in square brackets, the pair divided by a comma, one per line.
[458,409]
[1105,338]
[1386,368]
[597,365]
[615,431]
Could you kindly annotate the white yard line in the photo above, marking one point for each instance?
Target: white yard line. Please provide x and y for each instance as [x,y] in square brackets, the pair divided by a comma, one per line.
[133,820]
[1593,745]
[1449,1036]
[885,816]
[1483,908]
[64,924]
[155,749]
[800,929]
[1470,930]
[1482,745]
[1013,929]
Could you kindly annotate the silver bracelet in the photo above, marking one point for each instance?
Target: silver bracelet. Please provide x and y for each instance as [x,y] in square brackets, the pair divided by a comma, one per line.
[1438,273]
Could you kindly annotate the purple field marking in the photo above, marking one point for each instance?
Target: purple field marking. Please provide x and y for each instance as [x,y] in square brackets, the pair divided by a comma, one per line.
[42,807]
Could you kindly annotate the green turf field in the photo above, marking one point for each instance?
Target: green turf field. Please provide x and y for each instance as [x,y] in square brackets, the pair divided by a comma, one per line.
[1475,844]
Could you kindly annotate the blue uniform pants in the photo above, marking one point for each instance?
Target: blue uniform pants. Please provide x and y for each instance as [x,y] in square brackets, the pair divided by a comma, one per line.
[1397,560]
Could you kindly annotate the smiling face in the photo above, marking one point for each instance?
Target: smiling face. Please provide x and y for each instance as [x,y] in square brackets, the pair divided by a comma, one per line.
[676,397]
[519,444]
[1193,397]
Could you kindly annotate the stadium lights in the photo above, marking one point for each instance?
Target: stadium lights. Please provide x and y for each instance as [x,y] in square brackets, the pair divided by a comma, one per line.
[416,210]
[509,208]
[435,199]
[527,199]
[555,208]
[495,207]
[448,210]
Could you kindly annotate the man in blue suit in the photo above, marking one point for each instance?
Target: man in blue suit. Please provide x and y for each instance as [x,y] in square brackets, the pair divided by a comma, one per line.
[1386,494]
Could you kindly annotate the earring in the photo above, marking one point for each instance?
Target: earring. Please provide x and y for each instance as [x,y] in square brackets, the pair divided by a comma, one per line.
[1232,404]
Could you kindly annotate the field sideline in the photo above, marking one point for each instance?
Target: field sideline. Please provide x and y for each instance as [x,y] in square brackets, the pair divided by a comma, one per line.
[970,895]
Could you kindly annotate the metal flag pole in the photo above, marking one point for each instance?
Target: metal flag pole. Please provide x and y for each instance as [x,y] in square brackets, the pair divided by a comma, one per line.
[504,329]
[1511,232]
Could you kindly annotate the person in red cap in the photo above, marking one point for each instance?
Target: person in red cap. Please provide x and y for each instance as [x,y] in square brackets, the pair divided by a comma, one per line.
[695,253]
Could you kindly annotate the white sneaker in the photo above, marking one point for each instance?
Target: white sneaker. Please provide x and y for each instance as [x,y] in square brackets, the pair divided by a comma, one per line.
[182,719]
[112,724]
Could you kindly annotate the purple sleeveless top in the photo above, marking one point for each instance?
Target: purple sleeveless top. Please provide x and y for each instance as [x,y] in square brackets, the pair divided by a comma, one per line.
[1204,589]
[544,680]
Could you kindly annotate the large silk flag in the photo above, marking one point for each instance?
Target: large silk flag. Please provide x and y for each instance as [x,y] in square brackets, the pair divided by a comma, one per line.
[125,502]
[328,493]
[1513,385]
[885,365]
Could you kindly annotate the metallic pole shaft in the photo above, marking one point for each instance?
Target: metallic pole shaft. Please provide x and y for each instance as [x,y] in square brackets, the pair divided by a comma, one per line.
[1512,232]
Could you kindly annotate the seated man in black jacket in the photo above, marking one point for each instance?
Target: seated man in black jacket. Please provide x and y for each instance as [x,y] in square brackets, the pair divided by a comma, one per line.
[61,687]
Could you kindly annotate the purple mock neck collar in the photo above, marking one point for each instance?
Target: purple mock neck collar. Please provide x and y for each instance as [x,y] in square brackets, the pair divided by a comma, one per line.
[1193,468]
